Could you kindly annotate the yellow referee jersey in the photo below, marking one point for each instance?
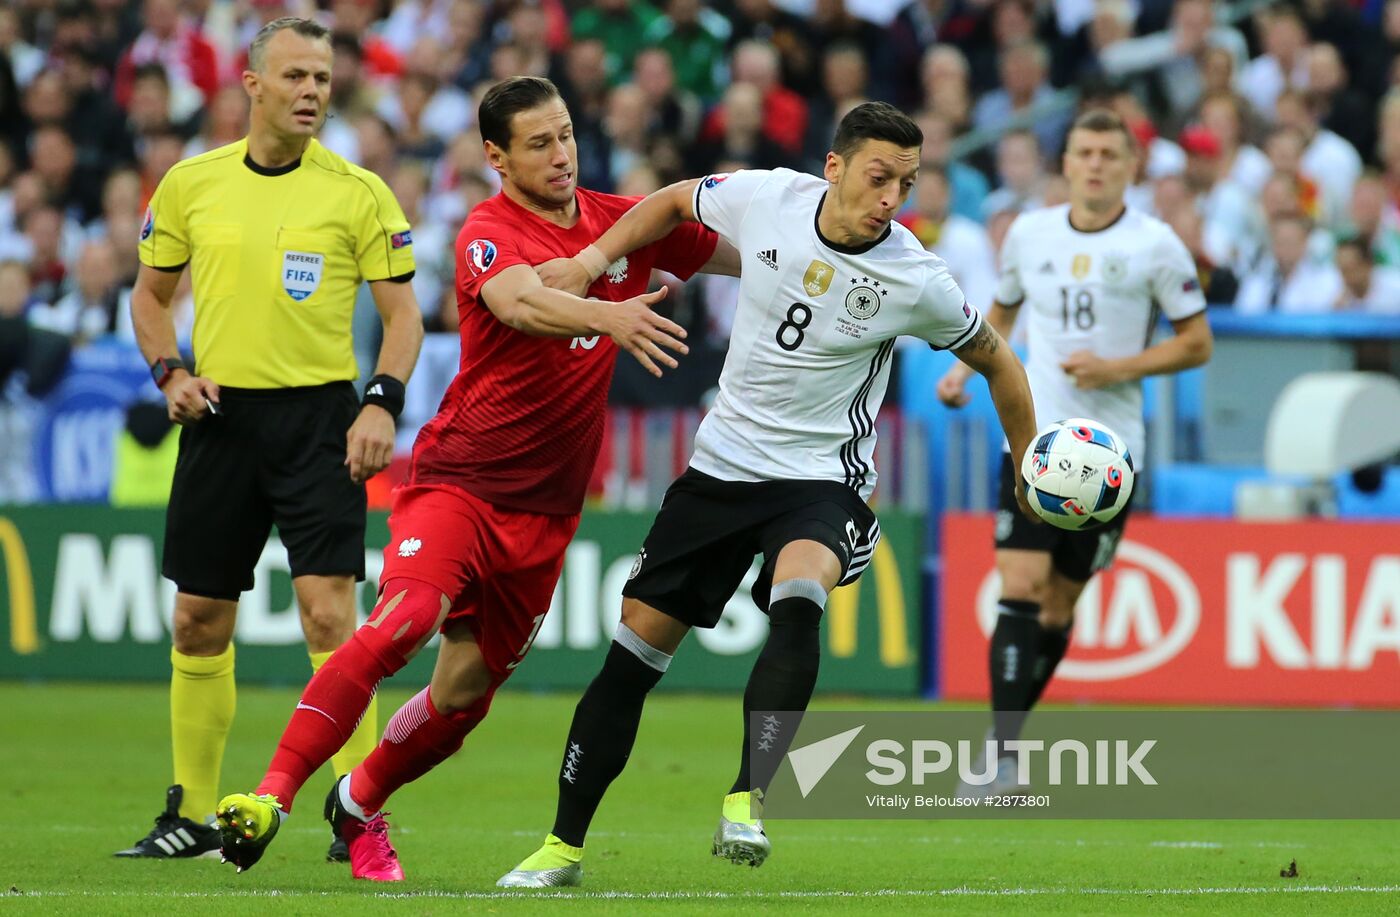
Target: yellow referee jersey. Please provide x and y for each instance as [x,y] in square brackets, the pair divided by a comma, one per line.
[277,257]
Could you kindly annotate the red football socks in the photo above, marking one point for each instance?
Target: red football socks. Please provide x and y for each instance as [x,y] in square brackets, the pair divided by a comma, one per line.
[329,710]
[409,612]
[417,739]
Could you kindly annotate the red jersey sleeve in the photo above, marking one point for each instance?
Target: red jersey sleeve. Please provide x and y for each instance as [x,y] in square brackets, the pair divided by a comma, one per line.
[685,250]
[484,249]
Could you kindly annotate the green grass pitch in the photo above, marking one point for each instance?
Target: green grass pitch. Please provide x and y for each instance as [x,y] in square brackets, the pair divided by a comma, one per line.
[83,769]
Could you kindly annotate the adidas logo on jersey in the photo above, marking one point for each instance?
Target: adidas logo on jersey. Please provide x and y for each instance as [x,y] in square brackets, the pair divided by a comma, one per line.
[769,257]
[1048,267]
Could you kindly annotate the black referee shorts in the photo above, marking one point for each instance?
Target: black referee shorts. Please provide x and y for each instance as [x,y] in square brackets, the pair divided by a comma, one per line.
[275,456]
[708,531]
[1075,555]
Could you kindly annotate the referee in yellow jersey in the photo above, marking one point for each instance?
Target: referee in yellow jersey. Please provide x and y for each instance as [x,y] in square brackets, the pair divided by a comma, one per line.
[279,232]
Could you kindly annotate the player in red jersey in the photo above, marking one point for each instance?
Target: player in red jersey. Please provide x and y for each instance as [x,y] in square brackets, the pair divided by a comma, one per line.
[478,531]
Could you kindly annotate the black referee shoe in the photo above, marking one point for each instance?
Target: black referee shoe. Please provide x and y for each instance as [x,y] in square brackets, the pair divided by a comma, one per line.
[175,837]
[340,851]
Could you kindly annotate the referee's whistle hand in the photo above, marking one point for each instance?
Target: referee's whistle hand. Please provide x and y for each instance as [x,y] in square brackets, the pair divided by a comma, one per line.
[369,444]
[642,333]
[187,397]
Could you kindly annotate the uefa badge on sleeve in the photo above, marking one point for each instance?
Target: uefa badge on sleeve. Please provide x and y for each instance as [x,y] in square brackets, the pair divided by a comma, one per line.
[480,255]
[148,225]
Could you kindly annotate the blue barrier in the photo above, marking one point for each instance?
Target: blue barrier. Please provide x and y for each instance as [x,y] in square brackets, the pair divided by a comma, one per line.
[75,424]
[1188,489]
[1344,326]
[78,421]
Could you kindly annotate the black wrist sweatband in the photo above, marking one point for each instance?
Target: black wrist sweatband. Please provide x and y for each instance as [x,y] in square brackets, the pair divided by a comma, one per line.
[387,392]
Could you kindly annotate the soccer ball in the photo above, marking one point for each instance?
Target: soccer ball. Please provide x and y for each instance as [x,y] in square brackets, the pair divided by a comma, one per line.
[1078,474]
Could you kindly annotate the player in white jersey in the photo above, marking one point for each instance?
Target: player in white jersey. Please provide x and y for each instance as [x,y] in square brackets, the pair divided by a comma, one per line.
[1092,276]
[783,464]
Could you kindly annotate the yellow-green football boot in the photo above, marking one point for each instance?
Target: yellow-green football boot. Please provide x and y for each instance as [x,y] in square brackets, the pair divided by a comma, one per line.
[739,837]
[554,865]
[247,824]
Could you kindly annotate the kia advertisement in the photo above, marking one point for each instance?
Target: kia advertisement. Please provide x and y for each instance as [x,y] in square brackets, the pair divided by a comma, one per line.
[1202,612]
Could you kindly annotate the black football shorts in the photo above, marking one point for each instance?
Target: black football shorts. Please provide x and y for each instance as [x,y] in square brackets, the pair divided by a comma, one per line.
[1076,555]
[708,531]
[273,457]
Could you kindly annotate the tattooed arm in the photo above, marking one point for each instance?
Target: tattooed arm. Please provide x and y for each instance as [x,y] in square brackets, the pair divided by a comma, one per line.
[988,354]
[952,388]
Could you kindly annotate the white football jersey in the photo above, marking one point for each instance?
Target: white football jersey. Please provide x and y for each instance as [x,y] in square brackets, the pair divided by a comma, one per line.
[1099,291]
[809,356]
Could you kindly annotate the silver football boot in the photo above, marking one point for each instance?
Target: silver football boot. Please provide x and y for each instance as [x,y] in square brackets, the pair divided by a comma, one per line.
[741,843]
[739,837]
[557,877]
[554,865]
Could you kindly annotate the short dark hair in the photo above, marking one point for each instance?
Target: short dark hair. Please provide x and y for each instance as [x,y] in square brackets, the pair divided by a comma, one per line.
[1359,241]
[163,131]
[306,28]
[153,71]
[846,46]
[347,43]
[507,99]
[1104,121]
[75,9]
[875,121]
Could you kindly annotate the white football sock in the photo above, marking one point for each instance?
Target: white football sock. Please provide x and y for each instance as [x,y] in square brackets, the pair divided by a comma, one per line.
[347,802]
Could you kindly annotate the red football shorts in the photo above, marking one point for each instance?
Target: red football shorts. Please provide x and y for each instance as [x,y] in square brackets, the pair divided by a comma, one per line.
[498,566]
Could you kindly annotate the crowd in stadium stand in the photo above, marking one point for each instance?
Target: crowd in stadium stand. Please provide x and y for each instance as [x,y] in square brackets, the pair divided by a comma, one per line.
[1272,133]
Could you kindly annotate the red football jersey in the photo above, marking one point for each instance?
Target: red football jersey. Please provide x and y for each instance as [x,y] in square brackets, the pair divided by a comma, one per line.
[521,424]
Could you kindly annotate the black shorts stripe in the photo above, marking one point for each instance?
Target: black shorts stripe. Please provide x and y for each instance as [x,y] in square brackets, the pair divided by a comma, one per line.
[861,559]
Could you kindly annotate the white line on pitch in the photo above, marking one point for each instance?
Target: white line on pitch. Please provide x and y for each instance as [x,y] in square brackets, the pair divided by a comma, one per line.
[806,838]
[961,891]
